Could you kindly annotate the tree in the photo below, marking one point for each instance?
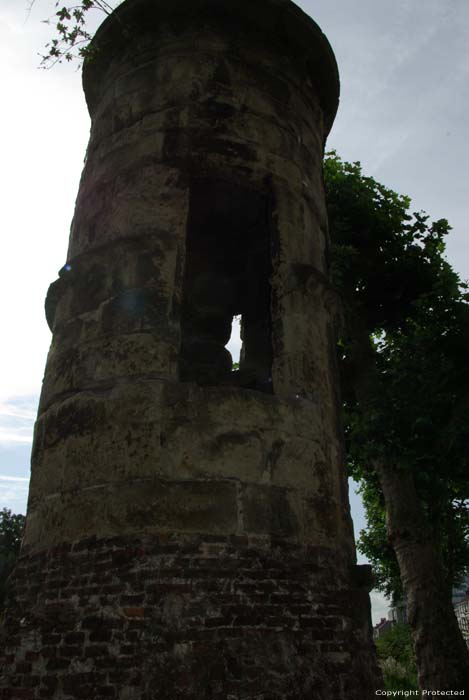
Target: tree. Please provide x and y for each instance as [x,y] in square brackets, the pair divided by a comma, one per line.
[11,530]
[406,389]
[426,379]
[427,369]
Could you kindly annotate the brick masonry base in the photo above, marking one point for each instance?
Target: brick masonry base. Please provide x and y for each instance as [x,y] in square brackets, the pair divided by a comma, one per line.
[179,617]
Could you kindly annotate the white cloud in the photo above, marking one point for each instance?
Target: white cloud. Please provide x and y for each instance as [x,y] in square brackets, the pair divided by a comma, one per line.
[16,409]
[14,436]
[17,416]
[44,124]
[14,478]
[14,493]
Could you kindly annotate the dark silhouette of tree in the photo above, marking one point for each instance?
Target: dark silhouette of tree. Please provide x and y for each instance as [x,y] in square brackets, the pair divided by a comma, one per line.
[11,529]
[406,390]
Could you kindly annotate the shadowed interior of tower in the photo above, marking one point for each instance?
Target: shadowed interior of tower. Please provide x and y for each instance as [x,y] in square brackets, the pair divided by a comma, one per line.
[227,274]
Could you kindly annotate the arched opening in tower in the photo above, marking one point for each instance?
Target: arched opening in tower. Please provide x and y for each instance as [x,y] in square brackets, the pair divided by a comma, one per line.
[227,275]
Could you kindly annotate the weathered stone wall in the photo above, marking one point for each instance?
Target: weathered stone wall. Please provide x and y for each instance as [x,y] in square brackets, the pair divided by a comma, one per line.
[192,539]
[188,105]
[175,617]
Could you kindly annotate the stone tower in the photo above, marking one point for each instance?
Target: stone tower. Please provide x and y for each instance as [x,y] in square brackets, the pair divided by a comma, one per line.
[188,531]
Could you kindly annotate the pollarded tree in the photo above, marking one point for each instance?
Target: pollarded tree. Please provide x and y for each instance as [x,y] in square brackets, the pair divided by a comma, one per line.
[405,316]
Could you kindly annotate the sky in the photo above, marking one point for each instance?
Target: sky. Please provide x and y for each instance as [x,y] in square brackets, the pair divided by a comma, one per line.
[404,67]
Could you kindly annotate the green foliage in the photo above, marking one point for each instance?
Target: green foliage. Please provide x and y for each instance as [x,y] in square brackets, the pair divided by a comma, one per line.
[397,660]
[71,40]
[396,643]
[383,258]
[11,529]
[396,676]
[374,544]
[399,291]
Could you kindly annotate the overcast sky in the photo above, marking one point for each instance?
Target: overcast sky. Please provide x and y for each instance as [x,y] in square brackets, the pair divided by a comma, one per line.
[404,67]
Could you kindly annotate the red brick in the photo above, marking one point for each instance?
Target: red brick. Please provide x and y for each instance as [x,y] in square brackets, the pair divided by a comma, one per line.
[134,612]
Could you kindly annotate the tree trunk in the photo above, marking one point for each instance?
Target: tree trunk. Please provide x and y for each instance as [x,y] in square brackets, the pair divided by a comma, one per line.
[441,653]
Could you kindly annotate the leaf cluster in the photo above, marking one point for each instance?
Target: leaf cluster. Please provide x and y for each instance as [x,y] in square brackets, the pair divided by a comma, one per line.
[396,643]
[11,530]
[71,40]
[397,659]
[373,541]
[383,257]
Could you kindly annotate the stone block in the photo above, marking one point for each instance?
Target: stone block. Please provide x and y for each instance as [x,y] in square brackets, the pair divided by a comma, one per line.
[95,364]
[270,510]
[299,463]
[134,506]
[321,519]
[123,205]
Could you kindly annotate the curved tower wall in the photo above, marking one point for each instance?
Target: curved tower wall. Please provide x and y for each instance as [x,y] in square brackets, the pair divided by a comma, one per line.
[188,531]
